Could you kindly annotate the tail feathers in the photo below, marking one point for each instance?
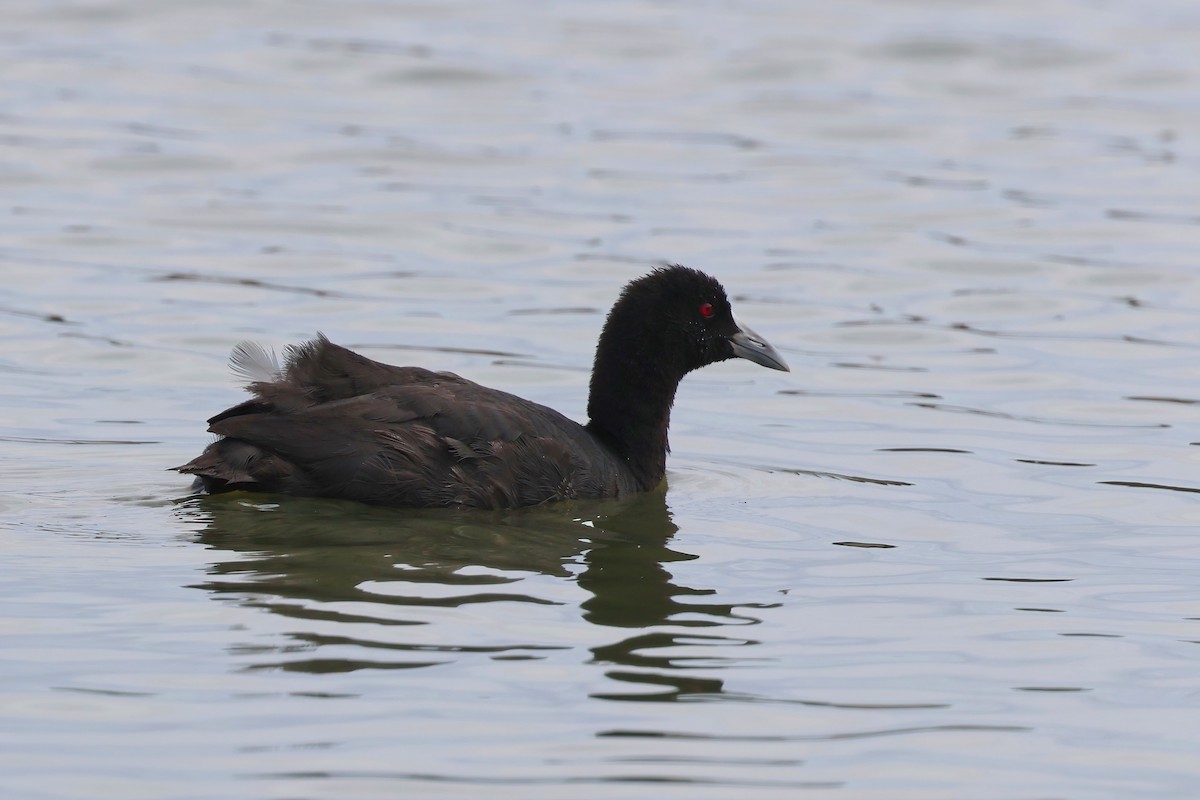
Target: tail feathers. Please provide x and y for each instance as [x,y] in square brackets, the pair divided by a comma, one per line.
[231,464]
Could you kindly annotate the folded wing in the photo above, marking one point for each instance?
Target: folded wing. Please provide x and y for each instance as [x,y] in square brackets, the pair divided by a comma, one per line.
[334,423]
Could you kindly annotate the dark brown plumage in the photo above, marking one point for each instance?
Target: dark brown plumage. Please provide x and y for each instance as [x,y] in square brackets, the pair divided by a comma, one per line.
[332,423]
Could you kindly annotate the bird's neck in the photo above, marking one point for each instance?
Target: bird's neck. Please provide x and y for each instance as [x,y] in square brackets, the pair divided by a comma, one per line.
[629,409]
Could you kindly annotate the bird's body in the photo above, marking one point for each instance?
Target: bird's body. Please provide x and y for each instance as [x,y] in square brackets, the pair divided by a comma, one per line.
[333,423]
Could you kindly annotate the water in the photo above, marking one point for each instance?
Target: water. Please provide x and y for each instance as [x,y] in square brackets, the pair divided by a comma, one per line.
[953,554]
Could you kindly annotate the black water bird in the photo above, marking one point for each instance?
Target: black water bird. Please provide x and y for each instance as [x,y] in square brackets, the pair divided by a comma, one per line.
[333,423]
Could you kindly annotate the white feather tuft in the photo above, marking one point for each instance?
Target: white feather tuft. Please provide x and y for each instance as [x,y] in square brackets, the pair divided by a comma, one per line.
[252,361]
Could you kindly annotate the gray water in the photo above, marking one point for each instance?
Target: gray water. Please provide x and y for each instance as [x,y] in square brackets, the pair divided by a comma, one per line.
[954,554]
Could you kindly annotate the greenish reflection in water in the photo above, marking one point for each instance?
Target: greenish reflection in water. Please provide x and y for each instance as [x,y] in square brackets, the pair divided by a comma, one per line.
[357,574]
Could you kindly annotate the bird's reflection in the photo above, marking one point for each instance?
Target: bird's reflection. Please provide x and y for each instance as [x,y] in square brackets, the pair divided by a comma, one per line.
[344,569]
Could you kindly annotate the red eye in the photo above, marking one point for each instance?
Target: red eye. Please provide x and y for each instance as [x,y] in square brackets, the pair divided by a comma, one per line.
[706,309]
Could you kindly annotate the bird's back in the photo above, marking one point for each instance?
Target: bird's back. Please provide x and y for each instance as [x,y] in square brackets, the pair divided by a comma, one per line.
[333,423]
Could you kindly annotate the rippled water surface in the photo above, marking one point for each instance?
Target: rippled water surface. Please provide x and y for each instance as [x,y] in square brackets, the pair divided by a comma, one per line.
[954,554]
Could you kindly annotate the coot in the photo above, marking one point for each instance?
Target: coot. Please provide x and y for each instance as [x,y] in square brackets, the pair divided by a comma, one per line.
[333,423]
